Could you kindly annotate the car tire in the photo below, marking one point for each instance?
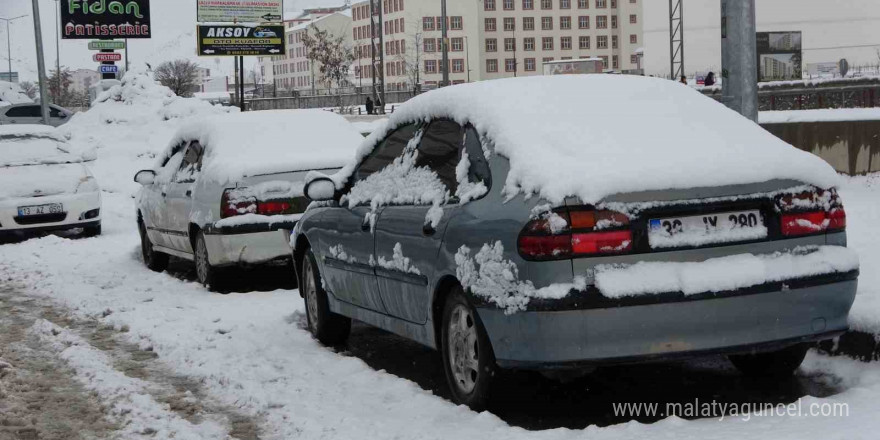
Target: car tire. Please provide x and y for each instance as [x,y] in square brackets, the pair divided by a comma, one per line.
[778,363]
[468,359]
[91,231]
[155,261]
[206,274]
[327,327]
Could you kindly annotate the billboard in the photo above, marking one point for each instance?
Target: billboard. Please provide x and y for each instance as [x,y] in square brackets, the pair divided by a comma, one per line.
[89,19]
[573,67]
[219,40]
[779,56]
[239,11]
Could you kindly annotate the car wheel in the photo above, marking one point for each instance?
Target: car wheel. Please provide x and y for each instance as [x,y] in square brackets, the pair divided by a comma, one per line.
[467,353]
[327,327]
[92,231]
[206,274]
[155,261]
[774,363]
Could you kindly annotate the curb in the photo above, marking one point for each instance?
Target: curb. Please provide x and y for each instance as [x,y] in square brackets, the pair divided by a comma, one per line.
[855,344]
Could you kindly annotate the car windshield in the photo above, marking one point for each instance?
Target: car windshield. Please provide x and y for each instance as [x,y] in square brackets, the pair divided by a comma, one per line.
[23,150]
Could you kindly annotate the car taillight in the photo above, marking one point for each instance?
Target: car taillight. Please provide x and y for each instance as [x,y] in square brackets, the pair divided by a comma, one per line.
[565,234]
[816,212]
[273,208]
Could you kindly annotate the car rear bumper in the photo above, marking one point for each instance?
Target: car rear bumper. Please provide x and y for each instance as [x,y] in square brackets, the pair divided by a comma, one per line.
[80,210]
[751,319]
[247,248]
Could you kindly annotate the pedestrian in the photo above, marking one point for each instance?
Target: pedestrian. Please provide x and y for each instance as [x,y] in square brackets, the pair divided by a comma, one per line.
[380,109]
[369,106]
[683,80]
[710,79]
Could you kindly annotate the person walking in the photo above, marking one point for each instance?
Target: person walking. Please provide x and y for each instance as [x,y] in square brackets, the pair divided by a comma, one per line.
[683,80]
[710,79]
[380,109]
[369,106]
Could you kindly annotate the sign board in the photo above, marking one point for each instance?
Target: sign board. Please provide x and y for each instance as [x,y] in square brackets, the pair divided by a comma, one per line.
[106,45]
[102,57]
[823,69]
[218,40]
[86,19]
[9,77]
[779,56]
[109,68]
[240,11]
[573,67]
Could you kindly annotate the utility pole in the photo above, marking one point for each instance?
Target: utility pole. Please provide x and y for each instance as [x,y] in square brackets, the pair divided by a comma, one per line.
[381,26]
[9,41]
[444,21]
[739,57]
[58,46]
[41,63]
[467,58]
[373,47]
[241,82]
[676,39]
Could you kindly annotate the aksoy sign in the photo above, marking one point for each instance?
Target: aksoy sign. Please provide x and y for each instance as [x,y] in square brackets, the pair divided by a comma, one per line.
[86,19]
[102,57]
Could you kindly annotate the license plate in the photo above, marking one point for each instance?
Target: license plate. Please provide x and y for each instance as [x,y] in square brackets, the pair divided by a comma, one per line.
[50,208]
[706,229]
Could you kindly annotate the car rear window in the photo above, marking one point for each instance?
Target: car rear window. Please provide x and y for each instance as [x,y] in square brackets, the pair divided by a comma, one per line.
[386,151]
[440,151]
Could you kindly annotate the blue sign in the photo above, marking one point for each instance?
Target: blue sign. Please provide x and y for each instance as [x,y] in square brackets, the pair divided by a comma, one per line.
[109,69]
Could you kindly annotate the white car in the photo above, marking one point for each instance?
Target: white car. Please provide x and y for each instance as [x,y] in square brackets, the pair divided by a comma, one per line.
[43,185]
[33,114]
[228,187]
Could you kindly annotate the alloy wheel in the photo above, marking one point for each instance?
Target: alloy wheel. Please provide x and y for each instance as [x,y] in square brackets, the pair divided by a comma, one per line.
[463,349]
[311,297]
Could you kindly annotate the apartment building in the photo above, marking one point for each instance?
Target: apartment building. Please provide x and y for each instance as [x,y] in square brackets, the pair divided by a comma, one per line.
[294,71]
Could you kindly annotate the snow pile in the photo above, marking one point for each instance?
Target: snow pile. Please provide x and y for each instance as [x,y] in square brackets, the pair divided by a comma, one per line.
[860,196]
[488,275]
[267,142]
[822,115]
[648,134]
[338,252]
[467,190]
[12,94]
[398,262]
[724,273]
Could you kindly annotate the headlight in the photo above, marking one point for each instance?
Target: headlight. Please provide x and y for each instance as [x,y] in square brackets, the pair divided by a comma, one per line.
[87,184]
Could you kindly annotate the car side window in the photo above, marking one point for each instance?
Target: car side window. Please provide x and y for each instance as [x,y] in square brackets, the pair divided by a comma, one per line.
[440,151]
[191,163]
[386,151]
[473,146]
[25,111]
[54,113]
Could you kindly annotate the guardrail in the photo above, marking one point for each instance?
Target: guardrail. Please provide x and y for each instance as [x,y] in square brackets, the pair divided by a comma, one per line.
[812,95]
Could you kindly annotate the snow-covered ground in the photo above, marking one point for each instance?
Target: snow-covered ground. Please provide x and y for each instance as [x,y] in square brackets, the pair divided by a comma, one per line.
[252,352]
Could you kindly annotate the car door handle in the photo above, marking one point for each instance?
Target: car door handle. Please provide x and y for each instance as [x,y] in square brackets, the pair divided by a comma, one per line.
[189,193]
[365,226]
[164,194]
[428,230]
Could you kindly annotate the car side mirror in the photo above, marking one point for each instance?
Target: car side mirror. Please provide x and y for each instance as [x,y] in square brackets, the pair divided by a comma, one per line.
[145,177]
[320,189]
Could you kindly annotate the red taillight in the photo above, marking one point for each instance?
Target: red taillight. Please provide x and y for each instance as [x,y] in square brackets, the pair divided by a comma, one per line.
[272,208]
[804,223]
[564,234]
[238,201]
[837,219]
[822,211]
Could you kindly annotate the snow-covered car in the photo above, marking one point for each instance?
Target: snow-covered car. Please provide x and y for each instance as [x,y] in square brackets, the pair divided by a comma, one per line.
[11,93]
[512,224]
[33,114]
[227,187]
[44,186]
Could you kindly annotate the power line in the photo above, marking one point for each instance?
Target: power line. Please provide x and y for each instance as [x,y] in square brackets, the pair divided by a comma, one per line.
[856,46]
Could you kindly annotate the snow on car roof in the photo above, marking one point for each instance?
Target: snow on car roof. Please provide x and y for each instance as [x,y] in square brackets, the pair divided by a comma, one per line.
[592,136]
[30,130]
[265,142]
[12,94]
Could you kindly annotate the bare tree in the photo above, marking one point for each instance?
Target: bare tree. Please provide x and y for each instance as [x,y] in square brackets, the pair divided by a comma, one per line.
[412,61]
[332,53]
[181,76]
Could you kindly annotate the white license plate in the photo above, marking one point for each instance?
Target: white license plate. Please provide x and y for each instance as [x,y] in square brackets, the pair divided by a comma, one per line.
[706,229]
[50,208]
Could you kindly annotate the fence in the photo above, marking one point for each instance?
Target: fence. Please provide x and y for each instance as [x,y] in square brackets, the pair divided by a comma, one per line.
[816,94]
[343,101]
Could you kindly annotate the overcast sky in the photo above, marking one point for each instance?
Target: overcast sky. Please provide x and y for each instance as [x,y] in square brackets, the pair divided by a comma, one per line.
[825,23]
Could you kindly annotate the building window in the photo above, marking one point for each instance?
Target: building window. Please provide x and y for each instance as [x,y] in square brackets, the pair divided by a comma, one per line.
[428,23]
[509,24]
[508,5]
[564,23]
[600,4]
[491,65]
[633,39]
[547,59]
[604,61]
[547,43]
[530,64]
[491,45]
[528,4]
[564,4]
[583,4]
[457,44]
[528,44]
[614,43]
[634,59]
[546,4]
[430,66]
[528,23]
[615,64]
[602,42]
[458,66]
[565,43]
[489,5]
[633,19]
[602,22]
[613,4]
[584,42]
[510,44]
[613,22]
[429,45]
[547,23]
[490,25]
[510,65]
[455,23]
[584,22]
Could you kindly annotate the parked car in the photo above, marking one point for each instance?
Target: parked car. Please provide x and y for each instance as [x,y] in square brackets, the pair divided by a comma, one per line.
[32,114]
[226,187]
[44,185]
[509,224]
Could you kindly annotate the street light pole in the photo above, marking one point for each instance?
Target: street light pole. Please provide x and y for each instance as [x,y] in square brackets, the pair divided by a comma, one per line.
[58,48]
[41,63]
[9,41]
[445,38]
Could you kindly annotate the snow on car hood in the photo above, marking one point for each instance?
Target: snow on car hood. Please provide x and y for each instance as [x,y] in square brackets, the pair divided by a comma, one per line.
[266,142]
[592,136]
[40,180]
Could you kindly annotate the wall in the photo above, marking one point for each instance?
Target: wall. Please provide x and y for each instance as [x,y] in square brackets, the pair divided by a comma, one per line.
[321,101]
[851,147]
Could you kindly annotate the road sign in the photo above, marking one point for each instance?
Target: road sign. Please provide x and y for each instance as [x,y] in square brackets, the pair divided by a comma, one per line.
[106,45]
[216,40]
[109,68]
[240,11]
[86,19]
[101,57]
